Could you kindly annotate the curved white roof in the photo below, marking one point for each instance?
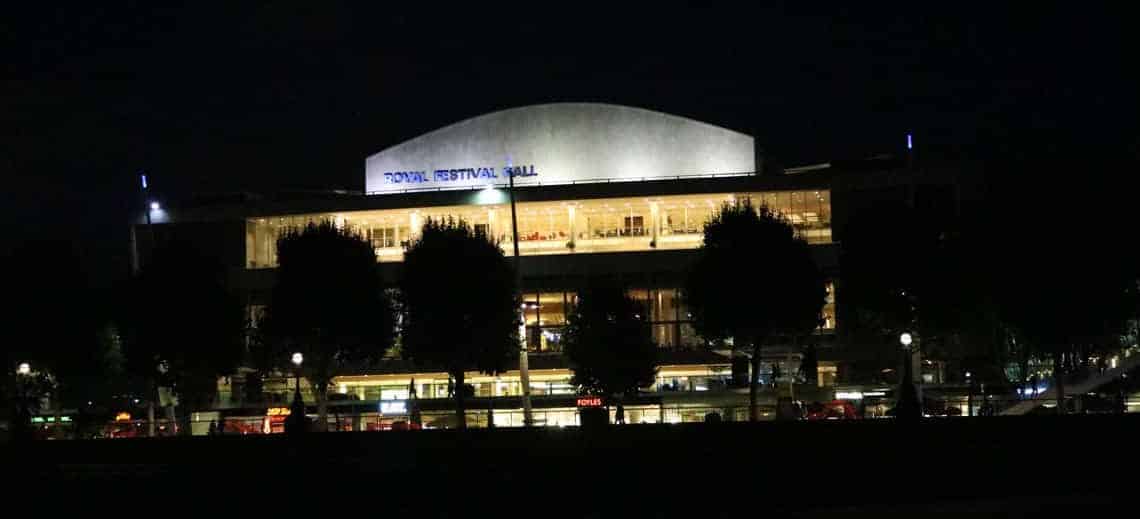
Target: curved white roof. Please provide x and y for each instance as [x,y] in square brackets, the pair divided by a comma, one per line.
[559,143]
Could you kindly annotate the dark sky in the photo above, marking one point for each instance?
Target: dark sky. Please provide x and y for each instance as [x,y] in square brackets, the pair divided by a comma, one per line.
[281,95]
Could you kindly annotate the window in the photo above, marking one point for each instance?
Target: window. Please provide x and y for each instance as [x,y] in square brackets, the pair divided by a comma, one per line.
[556,227]
[634,226]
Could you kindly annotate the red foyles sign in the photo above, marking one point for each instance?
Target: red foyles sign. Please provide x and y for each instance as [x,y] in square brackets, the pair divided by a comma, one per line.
[590,401]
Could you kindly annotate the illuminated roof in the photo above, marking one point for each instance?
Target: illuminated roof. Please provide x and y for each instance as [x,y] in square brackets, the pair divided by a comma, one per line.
[557,144]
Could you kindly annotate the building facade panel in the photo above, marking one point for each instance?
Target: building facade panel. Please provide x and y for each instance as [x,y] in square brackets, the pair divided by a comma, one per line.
[559,143]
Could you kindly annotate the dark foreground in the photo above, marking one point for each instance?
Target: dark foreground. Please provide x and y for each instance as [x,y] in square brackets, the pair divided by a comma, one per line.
[995,467]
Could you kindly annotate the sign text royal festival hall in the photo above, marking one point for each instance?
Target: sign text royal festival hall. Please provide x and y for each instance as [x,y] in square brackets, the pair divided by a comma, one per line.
[456,175]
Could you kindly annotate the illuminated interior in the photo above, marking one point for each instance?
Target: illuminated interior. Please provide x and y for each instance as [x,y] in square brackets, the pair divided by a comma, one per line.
[559,227]
[697,377]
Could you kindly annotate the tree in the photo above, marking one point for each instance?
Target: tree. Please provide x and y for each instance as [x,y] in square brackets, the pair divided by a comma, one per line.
[1069,302]
[753,281]
[809,366]
[459,304]
[917,271]
[182,328]
[1069,272]
[328,304]
[51,318]
[609,344]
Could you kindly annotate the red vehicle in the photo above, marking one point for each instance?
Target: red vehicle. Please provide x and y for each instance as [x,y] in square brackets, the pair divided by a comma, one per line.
[834,410]
[394,426]
[405,426]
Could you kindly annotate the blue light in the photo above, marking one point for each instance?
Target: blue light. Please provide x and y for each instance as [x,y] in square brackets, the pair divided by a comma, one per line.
[909,142]
[144,181]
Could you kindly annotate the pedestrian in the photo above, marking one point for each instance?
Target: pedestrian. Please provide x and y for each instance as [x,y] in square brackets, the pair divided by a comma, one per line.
[213,427]
[221,427]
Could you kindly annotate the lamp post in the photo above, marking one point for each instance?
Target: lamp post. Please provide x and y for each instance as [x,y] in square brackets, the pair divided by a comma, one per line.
[23,371]
[24,418]
[969,394]
[908,406]
[297,359]
[296,421]
[524,361]
[906,339]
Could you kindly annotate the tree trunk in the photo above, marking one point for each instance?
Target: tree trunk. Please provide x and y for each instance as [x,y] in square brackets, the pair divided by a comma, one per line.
[150,410]
[1059,378]
[171,420]
[753,384]
[322,397]
[1024,365]
[57,402]
[460,401]
[186,421]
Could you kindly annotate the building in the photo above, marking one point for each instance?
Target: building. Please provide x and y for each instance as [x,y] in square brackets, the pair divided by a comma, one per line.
[600,189]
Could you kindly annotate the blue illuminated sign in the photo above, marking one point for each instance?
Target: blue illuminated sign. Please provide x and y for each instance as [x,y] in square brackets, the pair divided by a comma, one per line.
[457,175]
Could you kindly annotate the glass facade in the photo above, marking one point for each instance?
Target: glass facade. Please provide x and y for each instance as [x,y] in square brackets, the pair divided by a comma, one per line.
[670,378]
[560,227]
[545,316]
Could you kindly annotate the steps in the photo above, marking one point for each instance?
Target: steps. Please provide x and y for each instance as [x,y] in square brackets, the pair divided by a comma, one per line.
[1126,364]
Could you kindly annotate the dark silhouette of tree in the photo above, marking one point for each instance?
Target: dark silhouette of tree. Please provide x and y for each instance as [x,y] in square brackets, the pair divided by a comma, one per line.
[182,328]
[609,344]
[52,317]
[906,270]
[809,366]
[253,388]
[460,308]
[328,304]
[1069,272]
[753,280]
[1068,303]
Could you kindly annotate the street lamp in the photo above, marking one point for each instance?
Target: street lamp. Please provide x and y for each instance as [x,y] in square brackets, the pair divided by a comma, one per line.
[297,359]
[905,339]
[23,370]
[909,404]
[296,419]
[969,394]
[154,206]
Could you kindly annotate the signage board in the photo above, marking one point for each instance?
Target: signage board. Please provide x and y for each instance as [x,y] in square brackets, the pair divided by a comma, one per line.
[590,401]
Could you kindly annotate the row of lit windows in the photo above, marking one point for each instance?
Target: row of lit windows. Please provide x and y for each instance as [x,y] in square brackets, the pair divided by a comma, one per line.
[545,316]
[581,226]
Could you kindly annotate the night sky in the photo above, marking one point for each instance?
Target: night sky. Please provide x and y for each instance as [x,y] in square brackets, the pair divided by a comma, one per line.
[283,95]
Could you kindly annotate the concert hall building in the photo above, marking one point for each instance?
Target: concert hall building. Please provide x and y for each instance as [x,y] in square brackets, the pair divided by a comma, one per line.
[600,190]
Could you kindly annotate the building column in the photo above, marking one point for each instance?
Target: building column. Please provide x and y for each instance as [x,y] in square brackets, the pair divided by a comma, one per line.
[415,225]
[654,219]
[570,210]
